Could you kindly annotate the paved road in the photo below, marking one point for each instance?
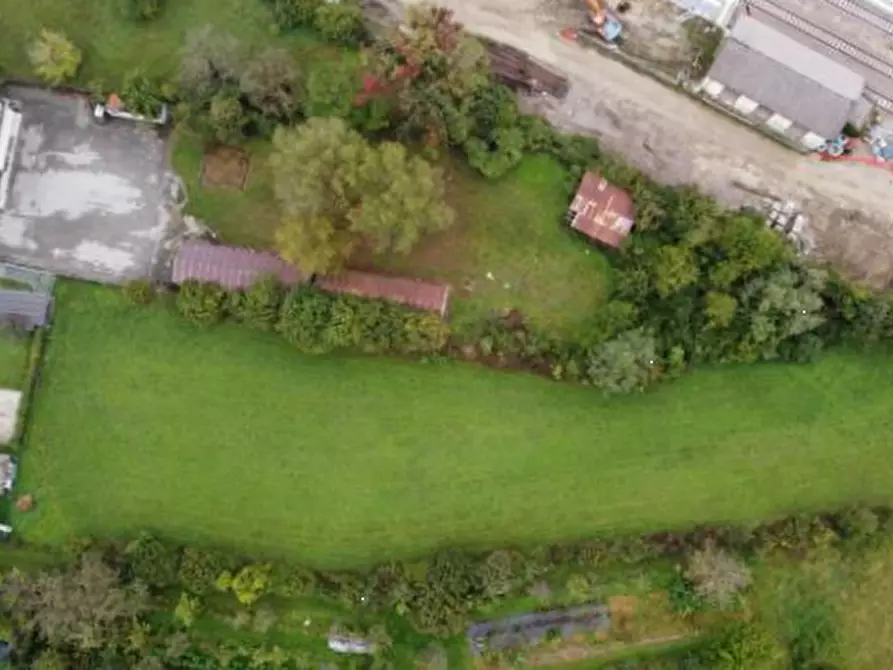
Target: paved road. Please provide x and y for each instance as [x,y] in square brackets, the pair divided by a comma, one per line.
[679,140]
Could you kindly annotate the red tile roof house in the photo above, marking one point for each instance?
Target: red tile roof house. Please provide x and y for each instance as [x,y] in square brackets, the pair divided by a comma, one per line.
[236,268]
[601,211]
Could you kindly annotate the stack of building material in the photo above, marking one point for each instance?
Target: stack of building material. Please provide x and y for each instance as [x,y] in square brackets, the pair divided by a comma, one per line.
[516,69]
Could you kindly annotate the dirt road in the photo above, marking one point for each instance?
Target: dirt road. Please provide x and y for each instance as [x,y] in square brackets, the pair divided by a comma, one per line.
[679,140]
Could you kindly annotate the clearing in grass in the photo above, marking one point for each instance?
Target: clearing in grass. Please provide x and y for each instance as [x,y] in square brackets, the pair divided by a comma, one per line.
[228,436]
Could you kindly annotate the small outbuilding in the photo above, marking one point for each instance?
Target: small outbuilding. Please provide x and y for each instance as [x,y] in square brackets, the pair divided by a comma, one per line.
[415,293]
[26,296]
[234,268]
[601,211]
[24,309]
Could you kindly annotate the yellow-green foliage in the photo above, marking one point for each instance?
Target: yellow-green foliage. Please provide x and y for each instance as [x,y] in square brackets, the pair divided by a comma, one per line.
[54,58]
[248,584]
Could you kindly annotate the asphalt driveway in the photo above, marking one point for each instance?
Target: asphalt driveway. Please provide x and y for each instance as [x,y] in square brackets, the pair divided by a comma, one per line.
[87,200]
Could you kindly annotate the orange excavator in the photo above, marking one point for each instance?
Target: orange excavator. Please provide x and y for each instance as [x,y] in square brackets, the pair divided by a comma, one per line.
[602,23]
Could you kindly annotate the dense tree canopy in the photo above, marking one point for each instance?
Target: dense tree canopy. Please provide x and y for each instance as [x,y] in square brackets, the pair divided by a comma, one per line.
[86,608]
[337,191]
[434,68]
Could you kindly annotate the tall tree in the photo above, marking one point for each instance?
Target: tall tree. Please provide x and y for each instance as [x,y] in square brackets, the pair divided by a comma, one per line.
[270,82]
[336,191]
[435,67]
[86,608]
[209,61]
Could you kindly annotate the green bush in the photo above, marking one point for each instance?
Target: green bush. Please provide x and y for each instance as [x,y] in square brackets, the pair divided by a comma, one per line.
[187,609]
[141,95]
[140,291]
[259,305]
[495,158]
[152,561]
[341,22]
[202,303]
[54,58]
[199,570]
[141,10]
[227,118]
[331,89]
[306,314]
[290,14]
[248,584]
[741,645]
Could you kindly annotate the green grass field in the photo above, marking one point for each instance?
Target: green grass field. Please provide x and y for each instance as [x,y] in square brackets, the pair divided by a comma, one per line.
[113,46]
[230,437]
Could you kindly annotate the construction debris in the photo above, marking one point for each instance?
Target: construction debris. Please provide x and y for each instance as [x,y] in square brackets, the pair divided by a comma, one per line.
[516,69]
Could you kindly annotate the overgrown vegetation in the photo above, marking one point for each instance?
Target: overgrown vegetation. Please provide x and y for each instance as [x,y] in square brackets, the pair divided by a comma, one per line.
[97,610]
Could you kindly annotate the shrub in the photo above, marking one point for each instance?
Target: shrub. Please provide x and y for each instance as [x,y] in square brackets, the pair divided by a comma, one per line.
[432,657]
[187,609]
[248,584]
[331,89]
[152,561]
[226,118]
[305,316]
[423,333]
[342,22]
[202,303]
[625,364]
[54,58]
[260,304]
[579,588]
[717,576]
[499,573]
[496,157]
[858,524]
[290,14]
[141,95]
[741,645]
[199,570]
[140,291]
[141,10]
[293,581]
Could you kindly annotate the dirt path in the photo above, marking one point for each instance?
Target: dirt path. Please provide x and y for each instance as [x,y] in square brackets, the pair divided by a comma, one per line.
[679,140]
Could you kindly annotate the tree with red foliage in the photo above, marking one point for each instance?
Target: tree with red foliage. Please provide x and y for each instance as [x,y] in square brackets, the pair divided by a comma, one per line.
[432,68]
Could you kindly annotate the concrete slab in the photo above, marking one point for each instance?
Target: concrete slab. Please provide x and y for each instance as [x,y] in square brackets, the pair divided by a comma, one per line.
[9,413]
[87,200]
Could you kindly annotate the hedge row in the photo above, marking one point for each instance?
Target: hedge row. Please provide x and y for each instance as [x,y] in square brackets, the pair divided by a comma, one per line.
[439,594]
[315,321]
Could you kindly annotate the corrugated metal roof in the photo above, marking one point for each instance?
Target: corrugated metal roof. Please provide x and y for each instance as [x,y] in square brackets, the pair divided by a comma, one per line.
[782,48]
[787,77]
[602,211]
[413,293]
[234,268]
[31,308]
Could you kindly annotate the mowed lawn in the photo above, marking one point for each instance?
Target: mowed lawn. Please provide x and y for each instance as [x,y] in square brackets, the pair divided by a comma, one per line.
[229,437]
